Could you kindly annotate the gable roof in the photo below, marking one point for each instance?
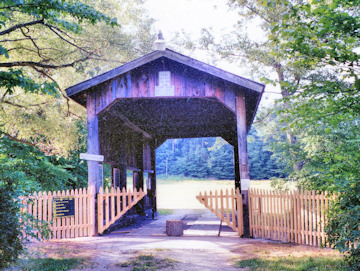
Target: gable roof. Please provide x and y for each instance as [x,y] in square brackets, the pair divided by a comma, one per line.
[238,80]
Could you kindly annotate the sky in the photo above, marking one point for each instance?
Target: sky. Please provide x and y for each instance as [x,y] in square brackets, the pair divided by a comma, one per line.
[191,16]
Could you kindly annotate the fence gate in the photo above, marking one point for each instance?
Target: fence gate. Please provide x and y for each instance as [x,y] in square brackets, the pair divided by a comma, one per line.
[113,204]
[226,206]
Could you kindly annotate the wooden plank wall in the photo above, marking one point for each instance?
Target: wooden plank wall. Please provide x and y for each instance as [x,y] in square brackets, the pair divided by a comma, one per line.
[80,225]
[294,216]
[146,157]
[187,82]
[141,82]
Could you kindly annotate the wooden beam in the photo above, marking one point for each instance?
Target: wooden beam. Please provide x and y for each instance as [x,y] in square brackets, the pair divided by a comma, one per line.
[92,143]
[236,165]
[116,181]
[243,157]
[129,124]
[153,179]
[133,168]
[194,131]
[93,148]
[242,143]
[140,175]
[214,71]
[158,142]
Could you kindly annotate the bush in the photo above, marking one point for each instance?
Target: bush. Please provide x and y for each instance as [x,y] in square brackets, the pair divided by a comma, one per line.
[343,228]
[24,169]
[11,243]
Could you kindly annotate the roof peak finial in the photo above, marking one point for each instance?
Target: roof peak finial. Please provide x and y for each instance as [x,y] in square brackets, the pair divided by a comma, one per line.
[160,43]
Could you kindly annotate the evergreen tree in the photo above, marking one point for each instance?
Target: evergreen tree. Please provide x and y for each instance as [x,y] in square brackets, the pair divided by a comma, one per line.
[262,164]
[214,158]
[222,160]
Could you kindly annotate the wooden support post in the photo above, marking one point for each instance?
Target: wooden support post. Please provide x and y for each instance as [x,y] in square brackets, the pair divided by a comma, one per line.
[92,142]
[153,179]
[236,165]
[93,148]
[140,165]
[123,177]
[135,180]
[116,181]
[243,156]
[139,184]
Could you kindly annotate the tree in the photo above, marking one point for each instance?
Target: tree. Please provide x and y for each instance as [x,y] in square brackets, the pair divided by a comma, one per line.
[214,158]
[262,163]
[221,163]
[42,52]
[237,46]
[184,157]
[313,46]
[28,58]
[23,23]
[323,35]
[23,170]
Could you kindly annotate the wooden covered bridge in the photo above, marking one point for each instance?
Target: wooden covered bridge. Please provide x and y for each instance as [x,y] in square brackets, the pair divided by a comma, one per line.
[133,109]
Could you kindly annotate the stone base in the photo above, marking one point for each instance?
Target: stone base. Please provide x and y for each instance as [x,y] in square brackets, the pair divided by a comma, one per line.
[174,227]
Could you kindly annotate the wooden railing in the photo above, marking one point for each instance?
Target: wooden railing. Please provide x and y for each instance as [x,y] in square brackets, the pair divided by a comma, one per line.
[297,217]
[81,223]
[114,204]
[226,206]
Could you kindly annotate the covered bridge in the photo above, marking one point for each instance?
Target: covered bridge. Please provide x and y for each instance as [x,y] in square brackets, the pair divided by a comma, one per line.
[133,109]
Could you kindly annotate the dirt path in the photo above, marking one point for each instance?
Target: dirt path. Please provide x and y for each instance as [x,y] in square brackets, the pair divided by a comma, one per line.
[205,251]
[188,253]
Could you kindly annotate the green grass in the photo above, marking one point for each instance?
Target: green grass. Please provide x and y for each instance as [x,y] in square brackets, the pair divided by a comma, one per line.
[148,262]
[165,211]
[262,184]
[48,264]
[173,178]
[293,264]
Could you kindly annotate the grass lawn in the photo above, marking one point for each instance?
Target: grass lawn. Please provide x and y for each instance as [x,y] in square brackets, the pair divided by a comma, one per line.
[155,262]
[180,193]
[225,184]
[47,264]
[148,262]
[292,264]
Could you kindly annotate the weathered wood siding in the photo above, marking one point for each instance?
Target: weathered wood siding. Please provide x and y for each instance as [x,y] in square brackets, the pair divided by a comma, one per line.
[120,145]
[187,82]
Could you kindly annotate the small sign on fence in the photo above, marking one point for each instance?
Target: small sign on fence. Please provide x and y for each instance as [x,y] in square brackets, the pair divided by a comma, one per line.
[63,206]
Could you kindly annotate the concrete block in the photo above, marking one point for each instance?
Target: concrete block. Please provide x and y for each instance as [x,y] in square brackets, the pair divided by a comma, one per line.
[174,228]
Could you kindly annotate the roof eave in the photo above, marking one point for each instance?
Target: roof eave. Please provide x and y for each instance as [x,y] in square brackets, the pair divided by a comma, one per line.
[249,84]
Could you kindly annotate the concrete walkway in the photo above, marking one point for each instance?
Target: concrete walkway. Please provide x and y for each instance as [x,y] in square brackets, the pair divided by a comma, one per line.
[195,224]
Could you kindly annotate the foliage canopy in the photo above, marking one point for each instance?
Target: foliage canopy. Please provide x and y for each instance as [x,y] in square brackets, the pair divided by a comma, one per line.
[46,45]
[323,36]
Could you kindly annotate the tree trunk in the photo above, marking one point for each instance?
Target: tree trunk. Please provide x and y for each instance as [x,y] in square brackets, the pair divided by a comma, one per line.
[297,165]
